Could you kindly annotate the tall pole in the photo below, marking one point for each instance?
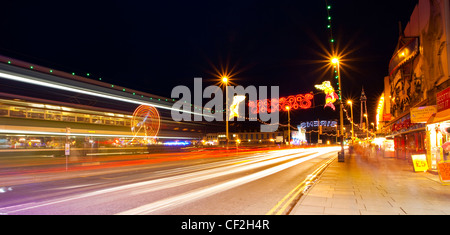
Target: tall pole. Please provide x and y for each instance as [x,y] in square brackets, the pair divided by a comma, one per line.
[225,81]
[351,112]
[318,131]
[226,111]
[367,125]
[341,113]
[289,124]
[353,130]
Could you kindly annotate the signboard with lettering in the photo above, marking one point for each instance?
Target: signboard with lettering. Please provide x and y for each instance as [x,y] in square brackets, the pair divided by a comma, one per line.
[422,114]
[67,149]
[420,162]
[444,172]
[443,100]
[312,124]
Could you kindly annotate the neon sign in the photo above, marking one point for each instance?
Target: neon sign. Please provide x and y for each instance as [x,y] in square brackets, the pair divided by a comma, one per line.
[301,101]
[234,107]
[330,95]
[318,123]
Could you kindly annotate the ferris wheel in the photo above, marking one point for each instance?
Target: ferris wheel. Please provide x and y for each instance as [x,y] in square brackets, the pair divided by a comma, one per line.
[145,121]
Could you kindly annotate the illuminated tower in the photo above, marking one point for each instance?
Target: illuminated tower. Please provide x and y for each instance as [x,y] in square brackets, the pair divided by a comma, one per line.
[363,107]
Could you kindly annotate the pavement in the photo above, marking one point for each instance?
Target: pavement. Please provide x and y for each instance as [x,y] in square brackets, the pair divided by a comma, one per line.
[369,184]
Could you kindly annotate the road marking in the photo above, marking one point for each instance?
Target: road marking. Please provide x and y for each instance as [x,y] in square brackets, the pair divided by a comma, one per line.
[282,206]
[196,176]
[211,190]
[168,182]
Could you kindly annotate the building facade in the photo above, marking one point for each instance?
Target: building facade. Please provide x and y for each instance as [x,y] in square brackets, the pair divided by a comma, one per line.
[413,109]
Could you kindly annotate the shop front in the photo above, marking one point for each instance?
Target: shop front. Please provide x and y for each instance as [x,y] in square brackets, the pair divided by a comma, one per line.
[438,133]
[409,138]
[438,141]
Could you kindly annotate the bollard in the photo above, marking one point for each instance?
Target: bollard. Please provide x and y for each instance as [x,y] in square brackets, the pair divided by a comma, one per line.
[340,157]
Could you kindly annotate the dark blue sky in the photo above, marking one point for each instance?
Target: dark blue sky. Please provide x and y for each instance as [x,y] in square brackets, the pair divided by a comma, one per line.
[154,46]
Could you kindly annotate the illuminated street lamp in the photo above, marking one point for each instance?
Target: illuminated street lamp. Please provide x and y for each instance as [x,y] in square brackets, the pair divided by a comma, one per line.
[351,111]
[336,62]
[225,82]
[289,124]
[367,124]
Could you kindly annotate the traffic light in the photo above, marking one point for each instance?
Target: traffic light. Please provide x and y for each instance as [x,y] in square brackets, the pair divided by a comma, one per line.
[320,130]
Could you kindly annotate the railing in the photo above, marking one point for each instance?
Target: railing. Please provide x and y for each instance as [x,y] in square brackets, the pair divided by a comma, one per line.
[65,116]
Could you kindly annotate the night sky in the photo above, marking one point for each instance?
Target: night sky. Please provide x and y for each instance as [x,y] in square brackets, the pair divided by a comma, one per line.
[154,46]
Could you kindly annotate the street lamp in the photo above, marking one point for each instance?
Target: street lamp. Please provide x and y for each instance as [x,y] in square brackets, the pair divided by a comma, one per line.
[367,125]
[336,62]
[225,82]
[351,111]
[289,124]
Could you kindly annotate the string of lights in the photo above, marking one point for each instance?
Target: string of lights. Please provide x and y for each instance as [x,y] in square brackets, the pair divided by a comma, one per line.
[332,43]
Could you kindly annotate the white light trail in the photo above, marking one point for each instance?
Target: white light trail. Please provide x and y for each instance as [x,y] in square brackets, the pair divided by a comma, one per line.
[82,90]
[217,188]
[195,174]
[22,132]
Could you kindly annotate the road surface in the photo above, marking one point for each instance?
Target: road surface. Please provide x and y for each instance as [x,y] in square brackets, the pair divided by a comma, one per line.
[249,183]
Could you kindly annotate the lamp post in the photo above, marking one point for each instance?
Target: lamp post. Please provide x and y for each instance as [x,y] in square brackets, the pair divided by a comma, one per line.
[335,61]
[351,112]
[367,125]
[225,81]
[373,126]
[289,124]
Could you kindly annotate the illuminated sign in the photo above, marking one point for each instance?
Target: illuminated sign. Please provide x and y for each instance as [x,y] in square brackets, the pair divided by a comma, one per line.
[301,101]
[420,162]
[330,95]
[422,114]
[234,107]
[443,100]
[318,123]
[380,110]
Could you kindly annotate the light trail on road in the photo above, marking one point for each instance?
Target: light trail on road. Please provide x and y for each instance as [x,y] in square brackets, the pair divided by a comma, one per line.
[196,194]
[198,181]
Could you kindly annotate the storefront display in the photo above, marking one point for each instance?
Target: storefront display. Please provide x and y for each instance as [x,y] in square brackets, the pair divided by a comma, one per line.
[438,143]
[409,138]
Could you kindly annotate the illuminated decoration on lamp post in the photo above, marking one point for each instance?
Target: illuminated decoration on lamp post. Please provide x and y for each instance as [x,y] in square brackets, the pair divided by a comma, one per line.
[146,120]
[330,95]
[234,107]
[301,101]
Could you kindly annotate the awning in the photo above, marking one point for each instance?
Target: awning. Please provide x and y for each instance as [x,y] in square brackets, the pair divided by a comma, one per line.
[408,52]
[440,117]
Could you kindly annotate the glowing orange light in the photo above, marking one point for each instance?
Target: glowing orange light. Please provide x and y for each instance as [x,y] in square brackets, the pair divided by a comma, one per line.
[225,79]
[335,60]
